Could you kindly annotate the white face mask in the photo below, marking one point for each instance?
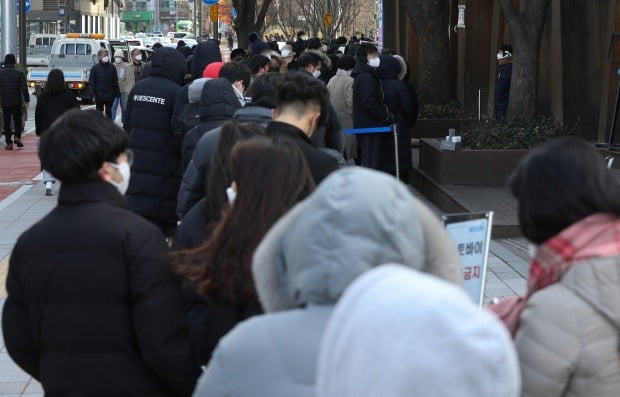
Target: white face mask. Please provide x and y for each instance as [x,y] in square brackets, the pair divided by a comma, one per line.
[304,38]
[232,194]
[138,57]
[374,62]
[118,59]
[316,74]
[125,171]
[285,52]
[105,59]
[324,48]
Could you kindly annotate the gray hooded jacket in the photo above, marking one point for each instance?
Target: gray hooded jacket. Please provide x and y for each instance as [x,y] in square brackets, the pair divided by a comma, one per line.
[356,219]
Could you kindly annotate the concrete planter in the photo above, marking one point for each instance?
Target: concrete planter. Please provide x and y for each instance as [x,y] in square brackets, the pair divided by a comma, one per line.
[467,167]
[437,128]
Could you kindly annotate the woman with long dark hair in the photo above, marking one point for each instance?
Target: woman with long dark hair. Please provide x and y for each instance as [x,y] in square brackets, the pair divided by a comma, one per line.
[55,100]
[269,177]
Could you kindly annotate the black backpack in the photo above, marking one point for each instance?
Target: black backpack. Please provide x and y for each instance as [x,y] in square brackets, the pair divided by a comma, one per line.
[190,117]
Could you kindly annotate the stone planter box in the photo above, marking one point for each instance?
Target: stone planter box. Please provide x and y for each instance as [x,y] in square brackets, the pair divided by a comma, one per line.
[437,128]
[467,167]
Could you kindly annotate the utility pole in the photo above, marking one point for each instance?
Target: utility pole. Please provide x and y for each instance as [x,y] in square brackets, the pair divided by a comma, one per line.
[22,33]
[9,27]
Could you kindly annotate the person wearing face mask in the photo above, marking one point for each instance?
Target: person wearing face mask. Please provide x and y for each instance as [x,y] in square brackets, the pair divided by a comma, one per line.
[310,63]
[502,86]
[340,89]
[314,46]
[303,103]
[121,71]
[289,61]
[369,109]
[300,43]
[103,83]
[219,100]
[258,64]
[93,304]
[267,177]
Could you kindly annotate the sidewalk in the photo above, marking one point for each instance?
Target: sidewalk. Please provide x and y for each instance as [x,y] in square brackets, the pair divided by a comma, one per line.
[23,203]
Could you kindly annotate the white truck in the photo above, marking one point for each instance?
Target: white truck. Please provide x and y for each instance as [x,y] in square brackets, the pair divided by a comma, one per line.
[75,55]
[40,47]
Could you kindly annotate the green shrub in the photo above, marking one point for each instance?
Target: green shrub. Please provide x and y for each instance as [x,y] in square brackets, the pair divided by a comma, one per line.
[450,110]
[514,134]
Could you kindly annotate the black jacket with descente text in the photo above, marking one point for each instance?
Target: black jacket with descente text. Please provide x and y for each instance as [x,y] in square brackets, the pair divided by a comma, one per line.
[156,171]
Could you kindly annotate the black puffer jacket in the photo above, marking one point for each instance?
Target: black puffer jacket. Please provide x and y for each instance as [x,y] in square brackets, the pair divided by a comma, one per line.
[156,171]
[193,185]
[103,82]
[205,52]
[369,109]
[12,86]
[502,87]
[93,308]
[218,103]
[51,106]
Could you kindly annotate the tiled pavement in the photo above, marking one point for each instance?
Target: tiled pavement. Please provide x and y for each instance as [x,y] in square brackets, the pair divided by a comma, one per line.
[27,204]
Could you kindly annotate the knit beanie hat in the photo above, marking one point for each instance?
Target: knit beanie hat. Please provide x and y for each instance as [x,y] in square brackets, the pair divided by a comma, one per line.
[212,71]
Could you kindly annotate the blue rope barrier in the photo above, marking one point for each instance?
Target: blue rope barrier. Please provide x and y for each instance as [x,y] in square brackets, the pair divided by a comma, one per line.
[373,130]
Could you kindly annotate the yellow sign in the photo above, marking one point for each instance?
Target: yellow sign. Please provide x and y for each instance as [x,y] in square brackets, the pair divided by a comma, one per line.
[213,13]
[327,19]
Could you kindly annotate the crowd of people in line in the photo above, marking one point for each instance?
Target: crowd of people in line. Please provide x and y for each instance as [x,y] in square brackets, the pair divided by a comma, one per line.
[222,243]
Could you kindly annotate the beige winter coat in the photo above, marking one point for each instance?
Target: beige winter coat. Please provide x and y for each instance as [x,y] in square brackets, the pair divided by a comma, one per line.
[568,335]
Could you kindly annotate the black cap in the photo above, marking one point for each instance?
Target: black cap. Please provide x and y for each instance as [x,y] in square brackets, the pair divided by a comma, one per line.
[9,59]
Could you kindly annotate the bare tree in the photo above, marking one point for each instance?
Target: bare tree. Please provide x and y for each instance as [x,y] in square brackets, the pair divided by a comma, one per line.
[431,20]
[250,18]
[327,17]
[285,15]
[526,28]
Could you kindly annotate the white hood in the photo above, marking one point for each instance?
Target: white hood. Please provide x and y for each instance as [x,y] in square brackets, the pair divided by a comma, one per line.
[398,332]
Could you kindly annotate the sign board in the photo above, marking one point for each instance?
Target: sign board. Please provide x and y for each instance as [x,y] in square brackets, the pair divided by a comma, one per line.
[27,5]
[210,2]
[327,19]
[213,13]
[472,234]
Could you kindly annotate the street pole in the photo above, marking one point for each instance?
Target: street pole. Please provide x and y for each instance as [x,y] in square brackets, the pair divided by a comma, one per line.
[194,30]
[22,33]
[9,27]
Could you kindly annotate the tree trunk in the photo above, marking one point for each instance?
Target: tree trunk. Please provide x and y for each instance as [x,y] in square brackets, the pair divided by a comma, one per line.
[431,20]
[248,20]
[526,28]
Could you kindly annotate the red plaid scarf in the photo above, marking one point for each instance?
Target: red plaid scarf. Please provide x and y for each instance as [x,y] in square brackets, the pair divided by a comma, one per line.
[596,236]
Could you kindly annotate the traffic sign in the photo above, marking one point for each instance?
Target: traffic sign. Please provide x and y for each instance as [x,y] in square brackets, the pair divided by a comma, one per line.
[27,2]
[210,2]
[327,19]
[213,13]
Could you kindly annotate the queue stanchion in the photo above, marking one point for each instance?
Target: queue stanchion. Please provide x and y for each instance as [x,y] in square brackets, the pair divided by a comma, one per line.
[380,130]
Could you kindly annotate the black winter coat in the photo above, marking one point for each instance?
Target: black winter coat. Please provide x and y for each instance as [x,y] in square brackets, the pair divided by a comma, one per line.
[93,308]
[321,164]
[156,171]
[205,52]
[52,106]
[194,183]
[103,82]
[369,109]
[502,88]
[12,86]
[218,103]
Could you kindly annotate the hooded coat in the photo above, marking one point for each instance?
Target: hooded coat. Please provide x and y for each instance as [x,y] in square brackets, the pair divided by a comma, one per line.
[357,219]
[404,111]
[206,52]
[568,336]
[193,185]
[369,109]
[377,343]
[218,103]
[156,171]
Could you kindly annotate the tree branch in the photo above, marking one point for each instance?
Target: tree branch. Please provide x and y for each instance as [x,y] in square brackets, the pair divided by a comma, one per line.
[260,19]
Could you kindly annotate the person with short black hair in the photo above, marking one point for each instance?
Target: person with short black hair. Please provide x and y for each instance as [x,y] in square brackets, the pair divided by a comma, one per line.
[13,90]
[258,64]
[303,107]
[55,100]
[238,54]
[369,109]
[103,83]
[93,306]
[310,63]
[300,43]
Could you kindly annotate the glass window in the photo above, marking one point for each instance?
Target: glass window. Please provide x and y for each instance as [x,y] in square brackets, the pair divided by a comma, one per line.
[38,42]
[70,49]
[89,50]
[62,49]
[52,40]
[80,49]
